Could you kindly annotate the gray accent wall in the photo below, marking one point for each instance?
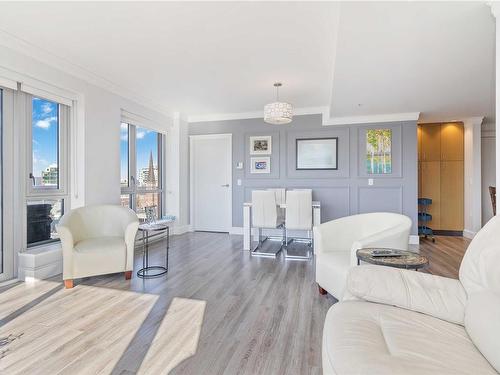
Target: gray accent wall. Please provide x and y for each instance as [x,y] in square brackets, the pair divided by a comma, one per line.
[342,192]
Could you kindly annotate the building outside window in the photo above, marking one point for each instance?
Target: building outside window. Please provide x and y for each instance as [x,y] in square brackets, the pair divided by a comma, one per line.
[141,151]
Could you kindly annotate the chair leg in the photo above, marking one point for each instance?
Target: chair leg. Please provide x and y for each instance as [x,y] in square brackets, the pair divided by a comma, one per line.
[321,290]
[68,284]
[128,275]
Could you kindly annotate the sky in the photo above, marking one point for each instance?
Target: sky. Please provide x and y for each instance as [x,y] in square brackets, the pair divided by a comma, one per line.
[146,142]
[45,124]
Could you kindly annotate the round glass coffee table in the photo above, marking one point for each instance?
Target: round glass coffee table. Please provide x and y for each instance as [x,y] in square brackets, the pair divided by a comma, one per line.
[405,259]
[147,271]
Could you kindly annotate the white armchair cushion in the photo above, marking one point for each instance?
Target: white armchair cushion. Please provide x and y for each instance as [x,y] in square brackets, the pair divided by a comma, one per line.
[440,297]
[369,338]
[97,256]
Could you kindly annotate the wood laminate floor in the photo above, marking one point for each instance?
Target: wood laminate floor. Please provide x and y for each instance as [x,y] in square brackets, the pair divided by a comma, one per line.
[218,311]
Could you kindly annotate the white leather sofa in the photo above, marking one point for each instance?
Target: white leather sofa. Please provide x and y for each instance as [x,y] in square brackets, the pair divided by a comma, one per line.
[97,240]
[336,242]
[396,321]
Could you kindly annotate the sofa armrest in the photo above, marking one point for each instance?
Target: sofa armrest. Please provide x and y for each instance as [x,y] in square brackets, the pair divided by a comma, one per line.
[67,245]
[130,233]
[441,297]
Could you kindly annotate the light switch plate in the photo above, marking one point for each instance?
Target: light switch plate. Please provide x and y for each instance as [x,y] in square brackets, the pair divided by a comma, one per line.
[370,181]
[238,182]
[239,165]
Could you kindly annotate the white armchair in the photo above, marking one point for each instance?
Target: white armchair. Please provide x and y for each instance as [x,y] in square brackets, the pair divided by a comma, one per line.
[336,242]
[97,240]
[395,321]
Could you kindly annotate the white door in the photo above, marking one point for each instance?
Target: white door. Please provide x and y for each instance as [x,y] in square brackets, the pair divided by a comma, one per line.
[211,190]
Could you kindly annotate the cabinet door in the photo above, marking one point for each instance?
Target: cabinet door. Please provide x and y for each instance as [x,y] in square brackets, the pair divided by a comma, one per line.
[431,188]
[452,187]
[452,141]
[431,142]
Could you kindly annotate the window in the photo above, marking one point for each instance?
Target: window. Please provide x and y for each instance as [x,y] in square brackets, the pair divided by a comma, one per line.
[45,140]
[124,154]
[141,151]
[46,195]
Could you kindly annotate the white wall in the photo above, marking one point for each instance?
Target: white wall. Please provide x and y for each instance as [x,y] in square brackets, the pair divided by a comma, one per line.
[488,175]
[102,124]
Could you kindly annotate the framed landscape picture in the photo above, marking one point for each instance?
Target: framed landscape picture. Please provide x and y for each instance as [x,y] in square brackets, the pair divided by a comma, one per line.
[261,145]
[317,154]
[260,165]
[379,151]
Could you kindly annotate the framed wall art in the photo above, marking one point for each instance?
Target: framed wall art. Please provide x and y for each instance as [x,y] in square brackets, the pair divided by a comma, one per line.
[260,165]
[261,145]
[317,153]
[379,151]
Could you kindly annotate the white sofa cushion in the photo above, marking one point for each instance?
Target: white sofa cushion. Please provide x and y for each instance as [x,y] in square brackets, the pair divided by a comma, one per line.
[96,256]
[441,297]
[369,338]
[482,322]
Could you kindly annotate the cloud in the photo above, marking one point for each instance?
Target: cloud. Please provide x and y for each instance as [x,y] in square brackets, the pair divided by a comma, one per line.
[45,123]
[124,126]
[124,137]
[140,134]
[47,108]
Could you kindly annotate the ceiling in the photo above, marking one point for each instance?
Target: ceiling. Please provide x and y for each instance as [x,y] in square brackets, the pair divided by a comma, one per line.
[216,59]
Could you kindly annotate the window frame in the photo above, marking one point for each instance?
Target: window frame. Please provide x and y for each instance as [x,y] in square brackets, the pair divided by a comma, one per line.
[133,189]
[61,191]
[45,193]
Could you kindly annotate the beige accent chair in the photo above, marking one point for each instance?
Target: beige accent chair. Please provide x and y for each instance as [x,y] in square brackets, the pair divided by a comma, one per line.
[97,240]
[336,242]
[395,321]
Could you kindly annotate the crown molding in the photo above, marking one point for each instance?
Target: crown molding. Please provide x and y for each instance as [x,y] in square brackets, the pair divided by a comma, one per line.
[475,120]
[26,48]
[253,114]
[367,119]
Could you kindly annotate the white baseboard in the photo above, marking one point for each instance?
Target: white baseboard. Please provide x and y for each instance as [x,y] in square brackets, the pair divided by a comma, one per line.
[469,234]
[414,239]
[181,229]
[236,230]
[41,263]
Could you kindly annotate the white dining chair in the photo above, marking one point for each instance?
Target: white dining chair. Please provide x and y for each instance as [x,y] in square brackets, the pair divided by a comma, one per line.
[298,217]
[280,194]
[265,216]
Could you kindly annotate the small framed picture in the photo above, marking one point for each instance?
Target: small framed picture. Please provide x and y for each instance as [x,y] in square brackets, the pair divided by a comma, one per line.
[260,165]
[261,145]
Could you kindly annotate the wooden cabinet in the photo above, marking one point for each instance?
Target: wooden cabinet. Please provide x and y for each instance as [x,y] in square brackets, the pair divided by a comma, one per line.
[431,142]
[431,172]
[441,173]
[452,141]
[452,191]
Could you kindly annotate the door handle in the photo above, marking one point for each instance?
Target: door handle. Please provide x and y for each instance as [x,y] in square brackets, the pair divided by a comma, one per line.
[226,185]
